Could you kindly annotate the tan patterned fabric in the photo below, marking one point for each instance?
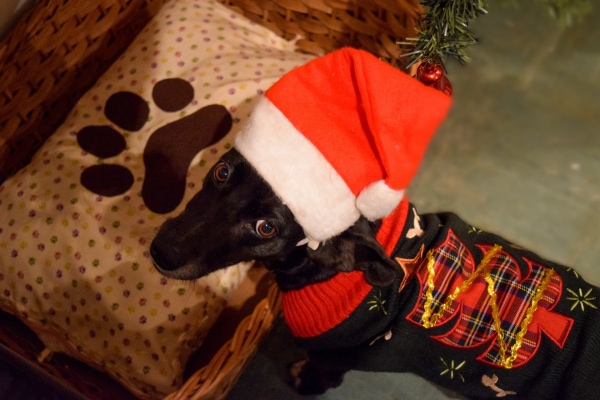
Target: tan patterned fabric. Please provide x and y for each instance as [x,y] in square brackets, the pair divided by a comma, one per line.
[74,261]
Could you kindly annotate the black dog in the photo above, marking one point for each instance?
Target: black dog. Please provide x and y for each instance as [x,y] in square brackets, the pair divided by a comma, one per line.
[239,208]
[427,294]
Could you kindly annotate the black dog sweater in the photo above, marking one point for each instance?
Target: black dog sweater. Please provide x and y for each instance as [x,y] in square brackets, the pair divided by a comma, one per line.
[471,312]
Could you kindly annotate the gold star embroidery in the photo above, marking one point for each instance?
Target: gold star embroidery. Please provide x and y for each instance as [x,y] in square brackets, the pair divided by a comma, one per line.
[451,369]
[580,299]
[475,230]
[573,271]
[410,266]
[377,304]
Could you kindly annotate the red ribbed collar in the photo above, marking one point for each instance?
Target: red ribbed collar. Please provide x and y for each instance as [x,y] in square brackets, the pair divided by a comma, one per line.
[317,308]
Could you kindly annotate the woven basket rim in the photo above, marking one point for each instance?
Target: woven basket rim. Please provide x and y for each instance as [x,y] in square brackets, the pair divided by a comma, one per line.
[59,48]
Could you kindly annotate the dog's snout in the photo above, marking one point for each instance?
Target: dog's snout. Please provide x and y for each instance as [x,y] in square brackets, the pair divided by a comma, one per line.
[163,258]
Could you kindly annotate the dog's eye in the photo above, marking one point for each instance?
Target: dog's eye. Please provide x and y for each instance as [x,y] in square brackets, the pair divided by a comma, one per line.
[265,228]
[221,173]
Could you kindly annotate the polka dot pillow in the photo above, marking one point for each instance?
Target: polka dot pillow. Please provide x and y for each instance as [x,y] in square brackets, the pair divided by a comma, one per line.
[76,223]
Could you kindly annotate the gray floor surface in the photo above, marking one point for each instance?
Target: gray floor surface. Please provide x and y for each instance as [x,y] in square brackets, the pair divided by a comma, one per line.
[519,155]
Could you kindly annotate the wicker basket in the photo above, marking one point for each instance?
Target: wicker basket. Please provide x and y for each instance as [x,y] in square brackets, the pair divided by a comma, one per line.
[58,50]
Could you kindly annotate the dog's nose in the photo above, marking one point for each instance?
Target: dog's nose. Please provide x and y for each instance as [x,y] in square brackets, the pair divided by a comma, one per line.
[161,259]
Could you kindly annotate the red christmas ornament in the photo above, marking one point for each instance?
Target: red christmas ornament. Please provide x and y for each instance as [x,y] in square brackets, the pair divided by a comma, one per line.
[433,75]
[429,73]
[443,84]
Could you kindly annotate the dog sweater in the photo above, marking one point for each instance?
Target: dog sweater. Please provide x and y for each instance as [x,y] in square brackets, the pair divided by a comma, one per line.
[470,311]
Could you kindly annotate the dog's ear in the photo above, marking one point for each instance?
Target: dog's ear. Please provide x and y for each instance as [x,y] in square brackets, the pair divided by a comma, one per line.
[370,257]
[356,249]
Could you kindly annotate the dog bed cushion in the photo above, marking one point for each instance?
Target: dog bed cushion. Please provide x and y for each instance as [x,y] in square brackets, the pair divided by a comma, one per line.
[76,223]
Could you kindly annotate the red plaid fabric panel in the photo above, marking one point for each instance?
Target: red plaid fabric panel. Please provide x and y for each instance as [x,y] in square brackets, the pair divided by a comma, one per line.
[514,293]
[453,265]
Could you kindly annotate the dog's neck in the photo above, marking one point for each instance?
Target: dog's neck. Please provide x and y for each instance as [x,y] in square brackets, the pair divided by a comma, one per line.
[305,266]
[341,292]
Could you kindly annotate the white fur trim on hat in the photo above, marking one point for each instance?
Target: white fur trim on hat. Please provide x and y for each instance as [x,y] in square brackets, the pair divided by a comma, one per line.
[298,173]
[378,200]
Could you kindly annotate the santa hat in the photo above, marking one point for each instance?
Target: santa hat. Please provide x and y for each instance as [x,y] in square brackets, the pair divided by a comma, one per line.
[341,137]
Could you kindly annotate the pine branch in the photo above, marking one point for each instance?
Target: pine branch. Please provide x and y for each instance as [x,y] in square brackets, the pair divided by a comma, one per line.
[444,31]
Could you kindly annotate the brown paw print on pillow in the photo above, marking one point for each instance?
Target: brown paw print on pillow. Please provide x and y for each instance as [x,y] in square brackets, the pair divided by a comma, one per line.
[168,152]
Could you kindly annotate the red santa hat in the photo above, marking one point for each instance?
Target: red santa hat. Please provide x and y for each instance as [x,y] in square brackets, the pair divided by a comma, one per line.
[341,137]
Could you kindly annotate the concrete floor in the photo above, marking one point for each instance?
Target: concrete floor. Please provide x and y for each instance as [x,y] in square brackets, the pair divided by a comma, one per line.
[519,155]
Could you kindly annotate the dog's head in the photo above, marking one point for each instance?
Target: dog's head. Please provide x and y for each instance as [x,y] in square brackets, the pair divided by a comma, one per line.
[237,217]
